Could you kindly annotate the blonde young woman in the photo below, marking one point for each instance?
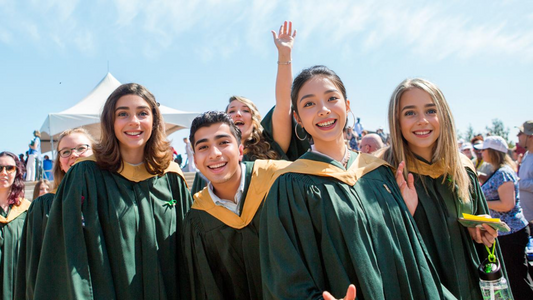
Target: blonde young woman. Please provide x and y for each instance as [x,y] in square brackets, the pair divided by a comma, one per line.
[424,148]
[276,135]
[114,230]
[13,209]
[503,199]
[71,145]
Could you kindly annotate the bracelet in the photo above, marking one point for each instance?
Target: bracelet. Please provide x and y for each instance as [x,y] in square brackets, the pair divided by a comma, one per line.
[284,63]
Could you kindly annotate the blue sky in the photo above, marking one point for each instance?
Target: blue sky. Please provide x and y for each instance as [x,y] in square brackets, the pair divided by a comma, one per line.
[193,55]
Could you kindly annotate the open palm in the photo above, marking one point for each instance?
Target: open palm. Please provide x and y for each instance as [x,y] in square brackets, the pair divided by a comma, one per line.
[284,39]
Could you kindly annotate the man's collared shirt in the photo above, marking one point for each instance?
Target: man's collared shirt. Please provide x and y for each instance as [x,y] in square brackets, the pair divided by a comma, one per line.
[229,204]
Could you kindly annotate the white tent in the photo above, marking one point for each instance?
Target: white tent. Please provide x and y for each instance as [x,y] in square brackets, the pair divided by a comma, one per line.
[86,113]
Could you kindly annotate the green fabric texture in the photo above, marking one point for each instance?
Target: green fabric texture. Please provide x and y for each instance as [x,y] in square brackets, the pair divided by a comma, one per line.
[295,150]
[10,236]
[319,234]
[223,261]
[454,253]
[111,238]
[30,246]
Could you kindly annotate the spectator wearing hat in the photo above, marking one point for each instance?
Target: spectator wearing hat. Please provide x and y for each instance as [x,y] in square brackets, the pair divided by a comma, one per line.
[484,169]
[525,139]
[503,199]
[468,150]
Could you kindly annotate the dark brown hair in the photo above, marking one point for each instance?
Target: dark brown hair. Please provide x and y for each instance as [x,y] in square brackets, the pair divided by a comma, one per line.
[17,188]
[157,151]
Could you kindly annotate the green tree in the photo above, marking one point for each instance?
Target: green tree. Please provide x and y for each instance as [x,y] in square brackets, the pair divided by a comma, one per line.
[499,129]
[468,134]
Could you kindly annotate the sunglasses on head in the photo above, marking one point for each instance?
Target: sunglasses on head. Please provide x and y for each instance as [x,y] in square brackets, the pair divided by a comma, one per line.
[9,169]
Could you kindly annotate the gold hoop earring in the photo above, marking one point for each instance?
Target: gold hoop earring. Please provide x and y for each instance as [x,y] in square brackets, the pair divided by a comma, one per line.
[296,133]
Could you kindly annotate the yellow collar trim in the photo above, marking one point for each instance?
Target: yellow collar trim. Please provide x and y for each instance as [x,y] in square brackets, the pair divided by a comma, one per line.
[363,164]
[264,171]
[16,210]
[437,169]
[139,173]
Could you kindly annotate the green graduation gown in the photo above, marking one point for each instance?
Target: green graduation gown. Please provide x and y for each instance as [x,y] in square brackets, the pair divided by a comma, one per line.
[454,253]
[10,235]
[324,227]
[115,235]
[222,248]
[30,245]
[295,150]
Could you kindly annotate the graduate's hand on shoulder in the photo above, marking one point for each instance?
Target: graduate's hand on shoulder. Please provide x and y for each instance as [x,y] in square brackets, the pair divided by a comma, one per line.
[407,188]
[350,294]
[284,39]
[486,235]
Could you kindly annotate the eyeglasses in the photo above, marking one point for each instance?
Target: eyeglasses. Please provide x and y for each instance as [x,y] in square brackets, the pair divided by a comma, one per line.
[80,149]
[9,169]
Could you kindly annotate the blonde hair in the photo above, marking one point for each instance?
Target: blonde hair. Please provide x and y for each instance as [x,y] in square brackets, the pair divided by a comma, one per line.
[445,149]
[58,171]
[500,159]
[255,146]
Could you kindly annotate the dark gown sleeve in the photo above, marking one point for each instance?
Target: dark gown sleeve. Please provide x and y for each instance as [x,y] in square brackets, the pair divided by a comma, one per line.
[296,146]
[10,237]
[201,276]
[63,271]
[284,269]
[30,246]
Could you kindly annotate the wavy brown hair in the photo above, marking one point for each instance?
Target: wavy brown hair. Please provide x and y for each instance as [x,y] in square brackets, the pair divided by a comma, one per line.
[17,188]
[157,151]
[255,147]
[58,171]
[445,148]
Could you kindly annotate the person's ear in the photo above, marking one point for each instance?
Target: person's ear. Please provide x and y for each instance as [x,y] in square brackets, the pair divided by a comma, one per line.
[241,152]
[297,118]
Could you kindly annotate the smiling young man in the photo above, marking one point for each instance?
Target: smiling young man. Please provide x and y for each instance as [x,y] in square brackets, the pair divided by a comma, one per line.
[221,230]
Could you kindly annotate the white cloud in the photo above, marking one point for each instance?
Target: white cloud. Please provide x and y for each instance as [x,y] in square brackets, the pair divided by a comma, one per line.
[84,40]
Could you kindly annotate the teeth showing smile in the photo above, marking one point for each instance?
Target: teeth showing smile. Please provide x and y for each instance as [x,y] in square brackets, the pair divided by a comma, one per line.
[239,123]
[133,133]
[422,132]
[324,124]
[217,166]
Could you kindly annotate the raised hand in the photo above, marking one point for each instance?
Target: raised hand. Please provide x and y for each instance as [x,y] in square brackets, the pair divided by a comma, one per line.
[407,189]
[350,294]
[284,39]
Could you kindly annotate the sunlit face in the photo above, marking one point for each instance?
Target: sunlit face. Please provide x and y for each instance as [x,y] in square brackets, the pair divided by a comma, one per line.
[468,152]
[43,189]
[419,122]
[7,177]
[485,155]
[133,123]
[322,110]
[242,117]
[217,154]
[74,140]
[522,139]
